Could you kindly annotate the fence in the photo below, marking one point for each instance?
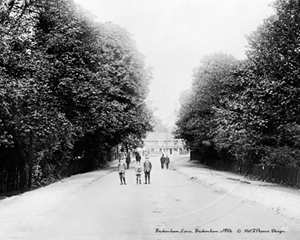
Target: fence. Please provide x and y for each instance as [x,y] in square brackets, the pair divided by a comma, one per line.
[15,179]
[11,181]
[274,174]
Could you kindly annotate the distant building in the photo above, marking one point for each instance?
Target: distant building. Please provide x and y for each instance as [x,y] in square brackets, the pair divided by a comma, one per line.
[163,142]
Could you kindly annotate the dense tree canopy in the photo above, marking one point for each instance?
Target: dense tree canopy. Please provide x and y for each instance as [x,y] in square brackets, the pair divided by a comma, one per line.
[210,83]
[255,114]
[69,86]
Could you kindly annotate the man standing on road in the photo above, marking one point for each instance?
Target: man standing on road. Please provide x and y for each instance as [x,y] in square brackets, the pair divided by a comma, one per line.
[121,171]
[128,160]
[147,169]
[167,161]
[138,157]
[162,161]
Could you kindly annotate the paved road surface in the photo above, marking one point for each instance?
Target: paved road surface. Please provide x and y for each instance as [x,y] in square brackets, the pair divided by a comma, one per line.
[171,207]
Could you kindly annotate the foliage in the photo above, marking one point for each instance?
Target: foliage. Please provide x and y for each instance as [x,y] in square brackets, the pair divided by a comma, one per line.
[159,126]
[196,115]
[271,94]
[69,86]
[254,113]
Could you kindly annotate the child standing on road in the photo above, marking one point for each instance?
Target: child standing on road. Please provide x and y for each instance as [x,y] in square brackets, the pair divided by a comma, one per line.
[138,172]
[121,171]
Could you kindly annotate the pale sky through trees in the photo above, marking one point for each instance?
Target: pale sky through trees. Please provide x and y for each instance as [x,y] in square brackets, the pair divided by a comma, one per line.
[175,34]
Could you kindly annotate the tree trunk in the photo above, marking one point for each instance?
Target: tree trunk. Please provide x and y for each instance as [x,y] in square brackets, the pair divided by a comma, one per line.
[117,156]
[30,159]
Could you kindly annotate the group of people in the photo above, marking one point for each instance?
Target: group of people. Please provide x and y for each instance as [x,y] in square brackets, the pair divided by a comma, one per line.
[164,160]
[147,170]
[138,169]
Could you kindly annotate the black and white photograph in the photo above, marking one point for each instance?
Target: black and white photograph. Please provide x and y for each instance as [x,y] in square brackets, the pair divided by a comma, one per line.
[149,119]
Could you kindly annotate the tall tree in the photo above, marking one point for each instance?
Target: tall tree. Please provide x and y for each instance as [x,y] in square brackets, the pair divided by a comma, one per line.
[65,79]
[196,115]
[261,121]
[273,86]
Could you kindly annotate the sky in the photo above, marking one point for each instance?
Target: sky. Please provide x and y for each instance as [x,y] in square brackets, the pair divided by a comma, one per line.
[174,35]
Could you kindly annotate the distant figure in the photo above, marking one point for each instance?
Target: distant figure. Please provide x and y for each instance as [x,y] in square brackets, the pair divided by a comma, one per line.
[138,172]
[121,170]
[138,157]
[167,161]
[128,160]
[162,161]
[147,169]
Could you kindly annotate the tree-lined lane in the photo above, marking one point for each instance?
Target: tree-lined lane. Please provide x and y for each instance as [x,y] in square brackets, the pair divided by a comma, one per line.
[170,204]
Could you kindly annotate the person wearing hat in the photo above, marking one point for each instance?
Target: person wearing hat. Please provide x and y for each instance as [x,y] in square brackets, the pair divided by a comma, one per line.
[162,161]
[121,171]
[138,172]
[128,160]
[167,161]
[147,169]
[138,157]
